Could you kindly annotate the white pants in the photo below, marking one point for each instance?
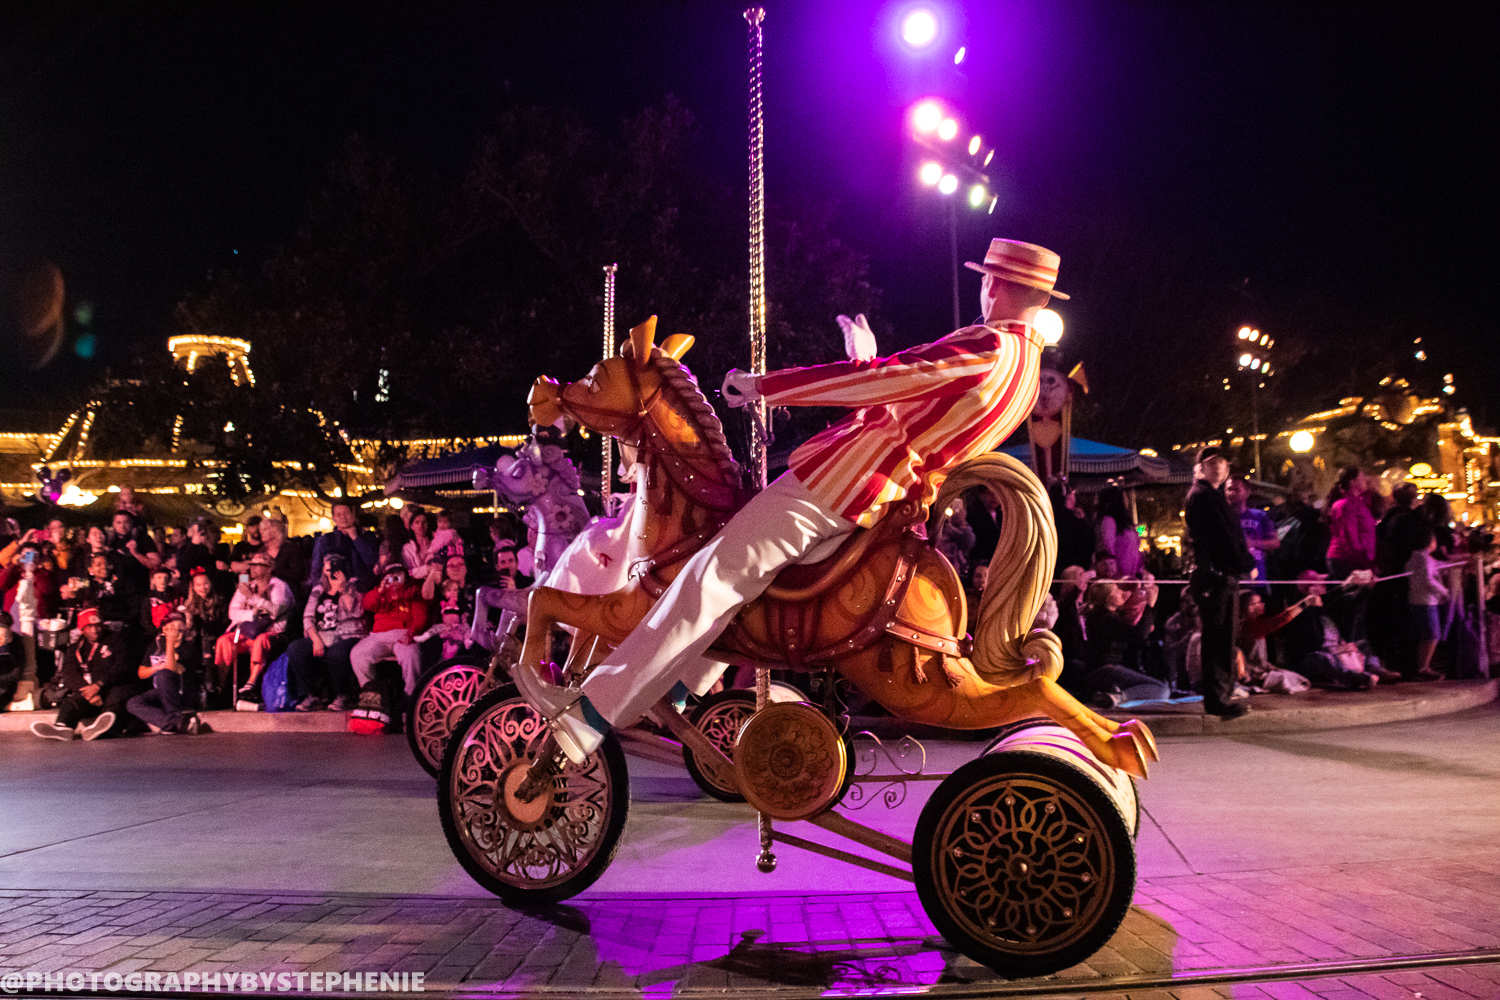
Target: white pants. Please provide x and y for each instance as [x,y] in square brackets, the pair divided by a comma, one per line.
[380,646]
[783,523]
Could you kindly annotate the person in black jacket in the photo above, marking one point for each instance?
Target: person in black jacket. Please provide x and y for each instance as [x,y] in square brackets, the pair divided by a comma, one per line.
[1220,556]
[96,683]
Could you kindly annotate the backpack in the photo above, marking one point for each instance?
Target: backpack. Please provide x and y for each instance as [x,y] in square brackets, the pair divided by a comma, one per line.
[374,713]
[277,692]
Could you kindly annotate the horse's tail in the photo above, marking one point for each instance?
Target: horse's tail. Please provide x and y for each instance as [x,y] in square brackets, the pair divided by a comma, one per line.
[1007,650]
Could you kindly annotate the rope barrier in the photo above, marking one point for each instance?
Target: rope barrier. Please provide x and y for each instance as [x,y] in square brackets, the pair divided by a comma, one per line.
[1257,583]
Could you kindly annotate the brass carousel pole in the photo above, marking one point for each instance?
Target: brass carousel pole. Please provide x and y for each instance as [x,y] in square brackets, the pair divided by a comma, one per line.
[766,860]
[607,476]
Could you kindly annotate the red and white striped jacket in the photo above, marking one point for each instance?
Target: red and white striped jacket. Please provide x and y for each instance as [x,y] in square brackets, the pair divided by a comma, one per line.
[920,412]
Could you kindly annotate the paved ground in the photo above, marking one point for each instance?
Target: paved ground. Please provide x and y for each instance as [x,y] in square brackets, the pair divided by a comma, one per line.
[316,852]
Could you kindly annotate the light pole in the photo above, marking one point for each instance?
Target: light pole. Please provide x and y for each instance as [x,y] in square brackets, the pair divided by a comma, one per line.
[948,168]
[1255,357]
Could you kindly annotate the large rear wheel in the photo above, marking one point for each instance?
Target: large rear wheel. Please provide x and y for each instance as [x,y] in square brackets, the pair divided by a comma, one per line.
[1023,863]
[442,696]
[537,852]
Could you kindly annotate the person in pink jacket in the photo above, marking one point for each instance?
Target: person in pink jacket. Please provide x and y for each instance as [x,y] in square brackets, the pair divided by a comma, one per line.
[1352,546]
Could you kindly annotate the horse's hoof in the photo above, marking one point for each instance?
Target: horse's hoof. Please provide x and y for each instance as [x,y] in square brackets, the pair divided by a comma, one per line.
[1142,732]
[1129,754]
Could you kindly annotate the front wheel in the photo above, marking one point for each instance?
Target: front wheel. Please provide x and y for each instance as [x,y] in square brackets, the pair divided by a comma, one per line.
[1023,863]
[537,852]
[442,696]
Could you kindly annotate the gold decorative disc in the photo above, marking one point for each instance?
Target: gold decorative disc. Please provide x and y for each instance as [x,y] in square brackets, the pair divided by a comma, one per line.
[790,761]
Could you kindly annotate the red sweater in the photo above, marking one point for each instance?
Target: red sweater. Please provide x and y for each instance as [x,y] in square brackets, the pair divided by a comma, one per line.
[398,609]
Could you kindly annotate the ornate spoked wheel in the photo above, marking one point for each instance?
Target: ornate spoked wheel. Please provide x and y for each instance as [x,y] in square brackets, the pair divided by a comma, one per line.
[719,717]
[536,852]
[442,696]
[1023,863]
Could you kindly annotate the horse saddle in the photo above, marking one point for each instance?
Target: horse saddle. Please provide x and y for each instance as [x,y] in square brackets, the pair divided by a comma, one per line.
[794,613]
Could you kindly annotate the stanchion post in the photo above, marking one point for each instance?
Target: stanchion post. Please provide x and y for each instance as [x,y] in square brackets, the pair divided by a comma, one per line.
[1480,614]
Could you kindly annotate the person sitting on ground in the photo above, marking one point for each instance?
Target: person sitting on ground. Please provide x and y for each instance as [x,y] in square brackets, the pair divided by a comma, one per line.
[1069,626]
[1254,664]
[12,662]
[257,617]
[1116,622]
[1181,646]
[333,623]
[161,708]
[1426,594]
[1316,647]
[94,686]
[206,614]
[399,614]
[359,549]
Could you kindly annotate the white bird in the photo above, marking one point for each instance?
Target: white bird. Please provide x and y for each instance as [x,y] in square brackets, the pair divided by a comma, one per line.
[859,339]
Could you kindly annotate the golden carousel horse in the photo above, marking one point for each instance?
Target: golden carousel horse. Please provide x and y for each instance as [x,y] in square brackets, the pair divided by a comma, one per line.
[886,611]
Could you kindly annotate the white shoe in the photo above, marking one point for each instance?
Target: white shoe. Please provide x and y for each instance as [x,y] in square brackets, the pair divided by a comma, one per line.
[550,700]
[97,728]
[575,737]
[26,704]
[560,707]
[51,730]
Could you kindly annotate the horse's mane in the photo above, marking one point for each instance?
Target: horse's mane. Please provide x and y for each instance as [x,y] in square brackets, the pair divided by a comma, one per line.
[679,383]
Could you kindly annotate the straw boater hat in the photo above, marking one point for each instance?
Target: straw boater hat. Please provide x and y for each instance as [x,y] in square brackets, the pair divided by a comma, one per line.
[1023,263]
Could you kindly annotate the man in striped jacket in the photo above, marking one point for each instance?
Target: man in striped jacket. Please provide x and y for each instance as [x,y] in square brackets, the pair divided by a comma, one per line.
[916,414]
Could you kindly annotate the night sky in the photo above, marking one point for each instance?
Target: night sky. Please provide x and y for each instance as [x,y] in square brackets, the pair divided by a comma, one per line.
[1335,150]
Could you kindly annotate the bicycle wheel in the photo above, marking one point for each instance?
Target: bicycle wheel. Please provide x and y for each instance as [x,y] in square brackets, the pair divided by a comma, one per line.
[442,696]
[536,852]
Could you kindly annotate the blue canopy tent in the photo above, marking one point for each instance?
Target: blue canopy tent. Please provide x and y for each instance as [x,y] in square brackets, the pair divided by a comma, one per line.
[1104,461]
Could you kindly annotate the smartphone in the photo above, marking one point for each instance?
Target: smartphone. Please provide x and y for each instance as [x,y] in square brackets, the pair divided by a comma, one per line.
[244,578]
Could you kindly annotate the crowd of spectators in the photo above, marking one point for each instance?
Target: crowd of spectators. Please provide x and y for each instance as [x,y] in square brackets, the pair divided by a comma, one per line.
[138,627]
[1346,591]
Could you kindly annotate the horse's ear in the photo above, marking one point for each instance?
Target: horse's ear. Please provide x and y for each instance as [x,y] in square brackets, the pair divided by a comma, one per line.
[641,338]
[677,345]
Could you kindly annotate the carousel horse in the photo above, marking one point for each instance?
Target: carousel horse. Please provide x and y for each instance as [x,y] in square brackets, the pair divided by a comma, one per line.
[540,478]
[884,609]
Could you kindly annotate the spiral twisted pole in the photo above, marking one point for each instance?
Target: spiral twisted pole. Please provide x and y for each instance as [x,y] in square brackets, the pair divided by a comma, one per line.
[607,476]
[754,16]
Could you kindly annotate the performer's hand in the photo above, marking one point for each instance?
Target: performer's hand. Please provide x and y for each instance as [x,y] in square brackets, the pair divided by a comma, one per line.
[859,339]
[740,388]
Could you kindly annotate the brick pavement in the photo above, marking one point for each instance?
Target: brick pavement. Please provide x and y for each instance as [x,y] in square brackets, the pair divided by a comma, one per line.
[756,943]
